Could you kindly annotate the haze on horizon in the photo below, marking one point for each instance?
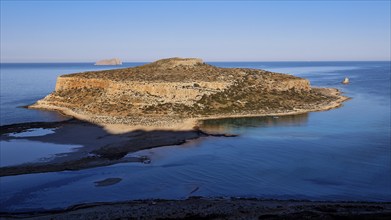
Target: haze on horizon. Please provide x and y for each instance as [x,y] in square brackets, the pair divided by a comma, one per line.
[42,31]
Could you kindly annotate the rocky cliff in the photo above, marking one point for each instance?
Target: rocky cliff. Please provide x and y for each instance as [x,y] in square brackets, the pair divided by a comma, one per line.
[175,89]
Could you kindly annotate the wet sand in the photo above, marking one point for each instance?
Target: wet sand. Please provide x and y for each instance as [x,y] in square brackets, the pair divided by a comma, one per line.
[216,208]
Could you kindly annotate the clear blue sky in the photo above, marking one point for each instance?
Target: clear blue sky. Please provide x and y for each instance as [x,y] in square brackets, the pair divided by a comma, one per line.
[78,31]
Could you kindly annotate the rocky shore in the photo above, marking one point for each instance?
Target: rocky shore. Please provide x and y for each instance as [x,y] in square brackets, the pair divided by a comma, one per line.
[175,93]
[216,208]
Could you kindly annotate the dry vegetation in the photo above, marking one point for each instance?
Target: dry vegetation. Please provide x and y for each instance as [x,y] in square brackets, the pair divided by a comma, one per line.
[181,88]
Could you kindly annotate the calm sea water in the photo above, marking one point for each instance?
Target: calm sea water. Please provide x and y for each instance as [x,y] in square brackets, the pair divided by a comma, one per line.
[24,83]
[341,154]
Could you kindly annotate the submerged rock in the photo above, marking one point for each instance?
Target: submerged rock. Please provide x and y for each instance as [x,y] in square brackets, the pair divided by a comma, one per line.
[107,182]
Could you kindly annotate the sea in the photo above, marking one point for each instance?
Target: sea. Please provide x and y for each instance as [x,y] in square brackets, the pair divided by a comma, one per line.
[343,154]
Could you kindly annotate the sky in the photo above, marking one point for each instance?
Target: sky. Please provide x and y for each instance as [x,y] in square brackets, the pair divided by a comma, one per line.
[134,31]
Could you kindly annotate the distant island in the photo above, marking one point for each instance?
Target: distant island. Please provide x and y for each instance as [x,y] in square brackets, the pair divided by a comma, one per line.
[109,62]
[174,93]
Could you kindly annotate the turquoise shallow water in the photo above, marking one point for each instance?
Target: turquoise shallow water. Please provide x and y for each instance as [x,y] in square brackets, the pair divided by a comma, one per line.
[341,154]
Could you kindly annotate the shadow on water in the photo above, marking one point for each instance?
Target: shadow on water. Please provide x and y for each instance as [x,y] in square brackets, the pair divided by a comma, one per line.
[99,148]
[225,125]
[102,148]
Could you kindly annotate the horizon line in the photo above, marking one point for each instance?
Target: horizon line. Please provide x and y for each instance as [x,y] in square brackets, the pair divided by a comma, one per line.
[222,61]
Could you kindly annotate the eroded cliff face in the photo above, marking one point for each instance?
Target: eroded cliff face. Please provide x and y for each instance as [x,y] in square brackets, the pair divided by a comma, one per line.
[178,88]
[161,91]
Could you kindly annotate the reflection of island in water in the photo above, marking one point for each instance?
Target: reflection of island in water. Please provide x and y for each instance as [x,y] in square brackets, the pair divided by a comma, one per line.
[225,125]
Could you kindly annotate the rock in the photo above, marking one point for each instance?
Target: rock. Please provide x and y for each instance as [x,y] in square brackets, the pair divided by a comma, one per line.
[176,61]
[107,182]
[345,81]
[176,89]
[112,62]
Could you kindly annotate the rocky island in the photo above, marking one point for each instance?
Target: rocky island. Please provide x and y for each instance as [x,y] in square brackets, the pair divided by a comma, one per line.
[109,62]
[174,93]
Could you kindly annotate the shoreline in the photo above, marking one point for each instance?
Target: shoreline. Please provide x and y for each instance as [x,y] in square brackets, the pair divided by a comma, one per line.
[193,122]
[96,152]
[214,208]
[208,208]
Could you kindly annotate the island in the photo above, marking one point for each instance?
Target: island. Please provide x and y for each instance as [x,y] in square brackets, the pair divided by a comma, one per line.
[109,62]
[176,93]
[162,104]
[167,102]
